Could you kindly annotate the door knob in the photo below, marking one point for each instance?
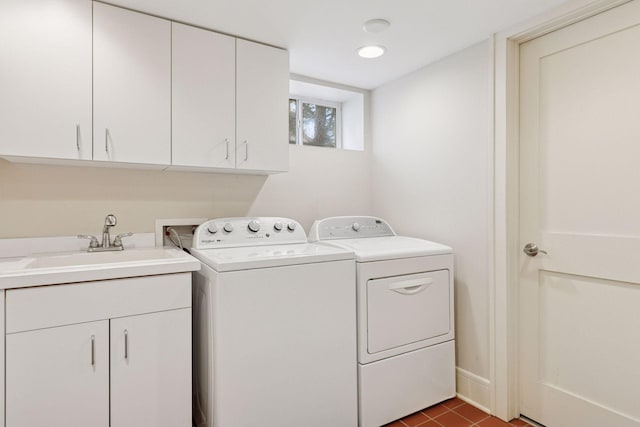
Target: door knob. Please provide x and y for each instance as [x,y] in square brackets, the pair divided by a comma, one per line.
[531,249]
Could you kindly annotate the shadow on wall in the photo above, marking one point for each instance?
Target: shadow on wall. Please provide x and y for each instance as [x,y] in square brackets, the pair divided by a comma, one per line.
[37,200]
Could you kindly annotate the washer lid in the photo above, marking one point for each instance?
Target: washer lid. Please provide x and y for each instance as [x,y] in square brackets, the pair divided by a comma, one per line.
[250,257]
[391,247]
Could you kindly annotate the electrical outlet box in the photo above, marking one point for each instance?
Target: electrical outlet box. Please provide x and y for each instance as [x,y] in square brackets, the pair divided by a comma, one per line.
[183,227]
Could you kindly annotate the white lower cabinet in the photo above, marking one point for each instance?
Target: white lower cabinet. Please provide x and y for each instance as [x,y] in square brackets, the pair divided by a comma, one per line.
[151,370]
[58,377]
[105,353]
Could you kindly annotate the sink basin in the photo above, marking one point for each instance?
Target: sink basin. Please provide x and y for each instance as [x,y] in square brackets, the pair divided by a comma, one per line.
[73,267]
[100,258]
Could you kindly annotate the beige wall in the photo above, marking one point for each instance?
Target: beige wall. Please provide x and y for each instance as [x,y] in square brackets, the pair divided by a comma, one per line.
[431,179]
[37,200]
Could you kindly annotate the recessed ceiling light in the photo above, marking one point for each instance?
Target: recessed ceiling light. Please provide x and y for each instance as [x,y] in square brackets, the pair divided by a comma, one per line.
[371,51]
[376,25]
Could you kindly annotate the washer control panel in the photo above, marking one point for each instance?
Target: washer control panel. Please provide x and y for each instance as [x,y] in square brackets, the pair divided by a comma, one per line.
[253,231]
[349,227]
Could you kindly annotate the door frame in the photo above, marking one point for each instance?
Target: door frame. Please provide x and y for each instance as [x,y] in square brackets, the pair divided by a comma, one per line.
[503,298]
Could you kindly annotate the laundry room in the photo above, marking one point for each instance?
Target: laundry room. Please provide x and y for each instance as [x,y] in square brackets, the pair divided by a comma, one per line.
[492,129]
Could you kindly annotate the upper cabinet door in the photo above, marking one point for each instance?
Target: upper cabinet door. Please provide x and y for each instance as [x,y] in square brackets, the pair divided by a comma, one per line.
[45,78]
[262,82]
[131,86]
[203,100]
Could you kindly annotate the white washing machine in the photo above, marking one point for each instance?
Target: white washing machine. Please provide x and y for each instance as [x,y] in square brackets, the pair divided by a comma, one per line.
[274,327]
[406,349]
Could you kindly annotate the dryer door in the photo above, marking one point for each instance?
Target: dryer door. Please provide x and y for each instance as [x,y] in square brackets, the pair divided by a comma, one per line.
[406,309]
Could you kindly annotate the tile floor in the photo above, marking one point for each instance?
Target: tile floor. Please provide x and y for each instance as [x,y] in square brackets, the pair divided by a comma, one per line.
[454,413]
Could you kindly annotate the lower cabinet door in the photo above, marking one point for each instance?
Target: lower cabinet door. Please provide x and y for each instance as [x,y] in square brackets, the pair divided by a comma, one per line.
[58,377]
[151,370]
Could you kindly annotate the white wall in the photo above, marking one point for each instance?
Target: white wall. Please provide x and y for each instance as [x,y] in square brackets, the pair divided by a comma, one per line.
[40,200]
[431,179]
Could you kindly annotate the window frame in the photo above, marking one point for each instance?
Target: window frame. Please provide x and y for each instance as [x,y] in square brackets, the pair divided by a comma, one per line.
[322,103]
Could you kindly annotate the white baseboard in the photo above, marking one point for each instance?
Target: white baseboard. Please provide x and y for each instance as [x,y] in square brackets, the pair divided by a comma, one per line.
[473,389]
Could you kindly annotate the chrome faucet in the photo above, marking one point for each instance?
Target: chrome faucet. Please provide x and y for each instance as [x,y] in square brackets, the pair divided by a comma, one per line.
[109,221]
[106,244]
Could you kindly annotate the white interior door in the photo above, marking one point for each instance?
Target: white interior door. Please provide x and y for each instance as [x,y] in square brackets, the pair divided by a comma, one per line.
[579,305]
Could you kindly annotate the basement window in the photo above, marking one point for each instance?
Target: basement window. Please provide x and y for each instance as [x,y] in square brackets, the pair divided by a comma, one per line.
[314,122]
[323,115]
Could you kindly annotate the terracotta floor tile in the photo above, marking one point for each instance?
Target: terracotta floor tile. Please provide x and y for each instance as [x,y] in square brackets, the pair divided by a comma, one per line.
[493,422]
[471,412]
[452,403]
[430,423]
[451,419]
[519,423]
[434,411]
[415,419]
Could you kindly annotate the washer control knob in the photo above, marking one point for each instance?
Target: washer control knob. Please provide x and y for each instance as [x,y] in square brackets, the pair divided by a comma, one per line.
[228,227]
[355,226]
[277,226]
[253,226]
[291,226]
[212,228]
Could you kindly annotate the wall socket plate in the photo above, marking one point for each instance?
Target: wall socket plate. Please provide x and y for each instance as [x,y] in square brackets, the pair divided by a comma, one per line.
[183,226]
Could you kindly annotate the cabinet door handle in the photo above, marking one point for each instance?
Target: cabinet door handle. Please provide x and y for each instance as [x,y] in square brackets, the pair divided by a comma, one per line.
[226,141]
[106,140]
[78,137]
[93,350]
[126,344]
[246,152]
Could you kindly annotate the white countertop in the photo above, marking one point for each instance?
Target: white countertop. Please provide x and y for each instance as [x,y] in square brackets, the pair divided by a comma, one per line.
[71,267]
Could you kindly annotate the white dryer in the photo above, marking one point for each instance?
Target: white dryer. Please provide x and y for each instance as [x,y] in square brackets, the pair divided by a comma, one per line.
[406,349]
[274,327]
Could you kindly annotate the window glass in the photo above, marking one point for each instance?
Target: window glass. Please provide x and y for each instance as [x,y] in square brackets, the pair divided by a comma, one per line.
[293,121]
[322,115]
[313,122]
[318,125]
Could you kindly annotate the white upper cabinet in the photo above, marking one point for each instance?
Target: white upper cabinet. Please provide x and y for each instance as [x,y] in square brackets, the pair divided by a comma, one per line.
[262,127]
[162,93]
[203,98]
[131,86]
[230,99]
[45,78]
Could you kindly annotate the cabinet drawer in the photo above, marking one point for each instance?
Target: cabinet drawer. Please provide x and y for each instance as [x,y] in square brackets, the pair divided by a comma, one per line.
[57,305]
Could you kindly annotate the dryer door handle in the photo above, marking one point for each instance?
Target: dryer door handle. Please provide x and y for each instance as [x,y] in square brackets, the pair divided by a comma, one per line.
[411,287]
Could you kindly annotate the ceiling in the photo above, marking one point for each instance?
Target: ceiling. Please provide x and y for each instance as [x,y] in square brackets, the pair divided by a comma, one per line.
[322,36]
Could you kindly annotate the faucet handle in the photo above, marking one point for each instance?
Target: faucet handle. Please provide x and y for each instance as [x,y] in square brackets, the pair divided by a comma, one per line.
[94,240]
[110,220]
[118,240]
